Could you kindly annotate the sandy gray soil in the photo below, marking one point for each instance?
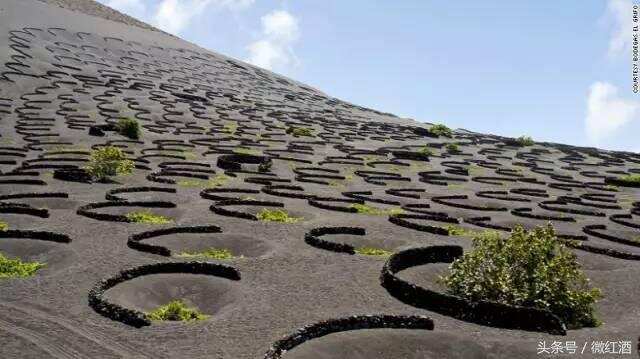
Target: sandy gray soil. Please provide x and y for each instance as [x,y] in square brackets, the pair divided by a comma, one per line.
[63,72]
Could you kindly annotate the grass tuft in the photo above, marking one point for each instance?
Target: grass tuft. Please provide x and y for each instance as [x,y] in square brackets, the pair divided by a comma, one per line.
[3,226]
[230,128]
[217,181]
[375,211]
[300,131]
[212,253]
[147,217]
[246,151]
[16,268]
[276,215]
[371,251]
[460,231]
[176,310]
[631,179]
[452,148]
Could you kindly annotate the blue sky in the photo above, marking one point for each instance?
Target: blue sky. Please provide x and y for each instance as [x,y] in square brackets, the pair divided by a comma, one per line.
[555,70]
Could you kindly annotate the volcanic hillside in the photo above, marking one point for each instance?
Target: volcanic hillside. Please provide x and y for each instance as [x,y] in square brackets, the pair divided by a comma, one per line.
[224,144]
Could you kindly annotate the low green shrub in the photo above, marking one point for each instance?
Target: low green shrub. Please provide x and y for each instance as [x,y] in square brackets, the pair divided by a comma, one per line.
[16,268]
[230,128]
[300,131]
[631,179]
[460,231]
[108,161]
[128,127]
[265,166]
[213,253]
[426,151]
[246,151]
[3,226]
[375,211]
[441,130]
[371,251]
[217,181]
[525,141]
[276,215]
[452,148]
[147,217]
[529,268]
[176,310]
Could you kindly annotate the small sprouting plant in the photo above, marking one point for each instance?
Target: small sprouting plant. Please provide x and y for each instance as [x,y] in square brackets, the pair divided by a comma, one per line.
[147,217]
[190,155]
[525,141]
[3,226]
[108,161]
[265,166]
[528,268]
[371,251]
[176,310]
[230,127]
[375,211]
[454,230]
[276,215]
[452,148]
[246,151]
[426,151]
[631,179]
[128,127]
[300,131]
[213,253]
[441,130]
[217,181]
[16,268]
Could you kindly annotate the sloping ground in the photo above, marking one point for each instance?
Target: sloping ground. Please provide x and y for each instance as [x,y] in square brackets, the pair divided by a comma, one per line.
[64,73]
[96,9]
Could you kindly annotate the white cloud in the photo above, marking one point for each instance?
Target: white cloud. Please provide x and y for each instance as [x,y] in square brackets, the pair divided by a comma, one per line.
[275,48]
[173,16]
[620,12]
[607,112]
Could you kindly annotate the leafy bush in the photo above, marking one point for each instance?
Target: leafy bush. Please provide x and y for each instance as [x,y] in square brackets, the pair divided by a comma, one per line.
[531,268]
[147,217]
[371,251]
[108,161]
[631,179]
[525,141]
[375,211]
[276,215]
[3,226]
[213,253]
[176,310]
[441,130]
[452,148]
[12,268]
[128,127]
[300,131]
